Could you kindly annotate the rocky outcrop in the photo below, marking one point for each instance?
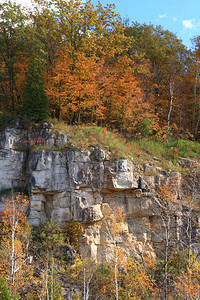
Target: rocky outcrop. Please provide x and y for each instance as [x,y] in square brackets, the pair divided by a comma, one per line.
[76,185]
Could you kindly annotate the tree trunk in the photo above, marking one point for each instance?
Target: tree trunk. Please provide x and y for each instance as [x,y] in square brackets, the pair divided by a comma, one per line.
[59,112]
[52,270]
[166,260]
[11,75]
[47,278]
[116,282]
[84,282]
[195,99]
[13,258]
[79,111]
[171,91]
[198,121]
[13,228]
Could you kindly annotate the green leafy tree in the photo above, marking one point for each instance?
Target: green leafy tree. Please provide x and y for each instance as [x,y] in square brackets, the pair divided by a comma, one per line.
[12,43]
[35,103]
[5,294]
[44,37]
[169,60]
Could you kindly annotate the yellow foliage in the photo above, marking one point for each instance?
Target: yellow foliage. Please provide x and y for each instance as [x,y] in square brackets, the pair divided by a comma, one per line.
[13,244]
[73,230]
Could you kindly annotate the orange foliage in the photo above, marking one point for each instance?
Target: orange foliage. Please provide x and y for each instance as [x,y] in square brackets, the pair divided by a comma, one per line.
[14,242]
[187,285]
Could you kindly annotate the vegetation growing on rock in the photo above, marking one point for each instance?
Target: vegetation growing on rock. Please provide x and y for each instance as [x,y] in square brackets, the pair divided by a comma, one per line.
[125,129]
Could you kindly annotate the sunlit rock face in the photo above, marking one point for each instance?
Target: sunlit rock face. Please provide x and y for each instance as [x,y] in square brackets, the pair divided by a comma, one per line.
[78,185]
[71,186]
[11,160]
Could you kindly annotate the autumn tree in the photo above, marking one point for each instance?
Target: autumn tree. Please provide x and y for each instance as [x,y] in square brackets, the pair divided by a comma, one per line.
[14,244]
[187,285]
[113,219]
[137,283]
[91,37]
[44,37]
[124,101]
[12,43]
[168,211]
[190,237]
[195,81]
[96,69]
[82,273]
[72,86]
[168,59]
[49,238]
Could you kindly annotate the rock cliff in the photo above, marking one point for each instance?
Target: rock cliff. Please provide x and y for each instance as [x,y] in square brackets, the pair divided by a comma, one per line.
[77,185]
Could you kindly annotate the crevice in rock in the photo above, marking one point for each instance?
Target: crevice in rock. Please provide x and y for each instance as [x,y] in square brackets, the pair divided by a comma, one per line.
[48,206]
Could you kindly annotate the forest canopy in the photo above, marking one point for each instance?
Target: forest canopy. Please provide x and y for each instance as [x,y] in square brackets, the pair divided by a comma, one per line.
[97,69]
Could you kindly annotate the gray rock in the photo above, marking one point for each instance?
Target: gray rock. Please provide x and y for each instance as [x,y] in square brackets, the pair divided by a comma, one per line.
[77,185]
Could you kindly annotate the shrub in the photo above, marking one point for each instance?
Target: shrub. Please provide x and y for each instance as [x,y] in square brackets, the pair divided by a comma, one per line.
[5,294]
[146,127]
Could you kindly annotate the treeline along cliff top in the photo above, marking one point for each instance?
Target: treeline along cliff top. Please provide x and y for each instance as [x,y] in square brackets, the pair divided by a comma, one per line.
[82,64]
[99,156]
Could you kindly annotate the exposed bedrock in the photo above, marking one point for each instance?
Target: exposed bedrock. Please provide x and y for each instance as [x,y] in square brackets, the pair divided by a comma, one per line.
[77,185]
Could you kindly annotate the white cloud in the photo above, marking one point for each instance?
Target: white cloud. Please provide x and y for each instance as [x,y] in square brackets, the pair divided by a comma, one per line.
[163,16]
[189,24]
[174,19]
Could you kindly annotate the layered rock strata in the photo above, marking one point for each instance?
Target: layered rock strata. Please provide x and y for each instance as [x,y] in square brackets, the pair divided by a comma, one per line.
[77,185]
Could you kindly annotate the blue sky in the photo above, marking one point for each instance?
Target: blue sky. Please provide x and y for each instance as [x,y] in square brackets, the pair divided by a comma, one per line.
[179,17]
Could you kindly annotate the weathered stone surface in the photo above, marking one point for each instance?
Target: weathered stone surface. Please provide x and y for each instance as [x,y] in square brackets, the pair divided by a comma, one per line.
[79,185]
[120,175]
[11,168]
[139,204]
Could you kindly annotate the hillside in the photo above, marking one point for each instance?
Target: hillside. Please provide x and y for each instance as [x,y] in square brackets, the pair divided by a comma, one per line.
[138,79]
[99,156]
[108,194]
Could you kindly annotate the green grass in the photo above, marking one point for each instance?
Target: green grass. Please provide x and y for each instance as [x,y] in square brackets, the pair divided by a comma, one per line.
[187,149]
[173,149]
[117,147]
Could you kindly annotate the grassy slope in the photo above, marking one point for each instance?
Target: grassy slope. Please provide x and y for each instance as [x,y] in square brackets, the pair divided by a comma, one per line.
[140,150]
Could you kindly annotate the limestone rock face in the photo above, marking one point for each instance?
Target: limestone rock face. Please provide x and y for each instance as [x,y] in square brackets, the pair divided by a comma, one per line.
[11,160]
[71,186]
[76,185]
